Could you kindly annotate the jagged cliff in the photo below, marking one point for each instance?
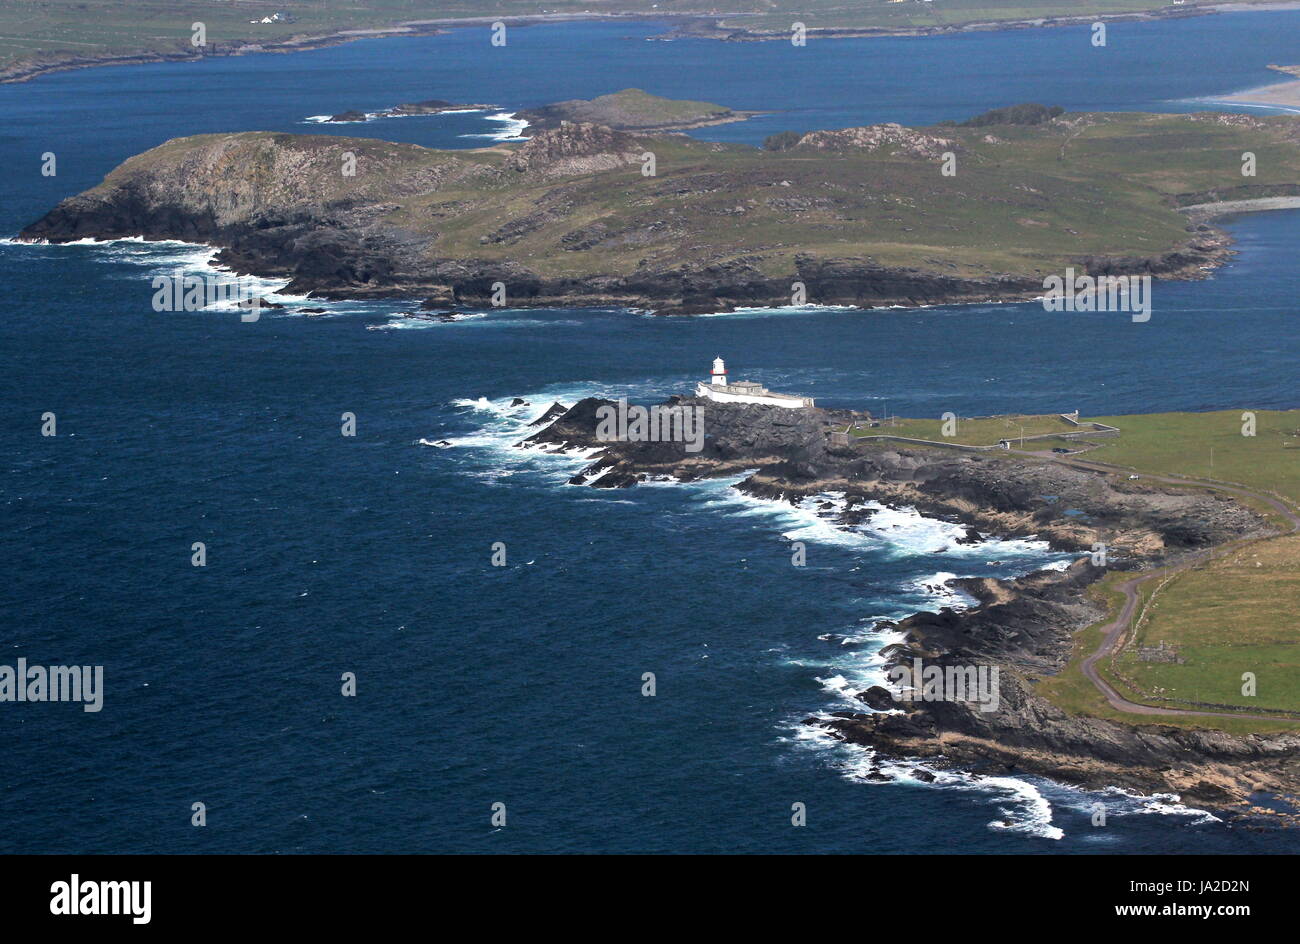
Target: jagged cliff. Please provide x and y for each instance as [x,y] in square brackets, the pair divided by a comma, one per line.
[585,215]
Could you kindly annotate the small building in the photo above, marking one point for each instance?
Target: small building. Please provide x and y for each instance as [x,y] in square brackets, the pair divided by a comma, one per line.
[1160,653]
[744,391]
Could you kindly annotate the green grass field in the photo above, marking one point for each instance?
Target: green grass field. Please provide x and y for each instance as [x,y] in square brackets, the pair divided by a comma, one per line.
[1211,446]
[973,431]
[1070,691]
[1234,614]
[1231,615]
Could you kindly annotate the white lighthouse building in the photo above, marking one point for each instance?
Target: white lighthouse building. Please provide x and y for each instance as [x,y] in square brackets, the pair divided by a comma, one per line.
[744,391]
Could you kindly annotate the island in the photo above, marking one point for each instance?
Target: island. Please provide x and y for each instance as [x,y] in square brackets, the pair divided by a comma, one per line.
[632,110]
[1124,669]
[586,215]
[432,106]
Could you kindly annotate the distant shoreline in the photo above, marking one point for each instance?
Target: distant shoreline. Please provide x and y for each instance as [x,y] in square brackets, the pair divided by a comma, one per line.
[1273,95]
[26,71]
[683,26]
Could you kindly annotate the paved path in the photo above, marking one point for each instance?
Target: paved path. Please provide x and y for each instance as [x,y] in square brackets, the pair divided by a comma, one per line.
[1113,632]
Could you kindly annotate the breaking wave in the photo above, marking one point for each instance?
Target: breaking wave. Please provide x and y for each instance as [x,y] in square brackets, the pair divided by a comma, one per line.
[513,129]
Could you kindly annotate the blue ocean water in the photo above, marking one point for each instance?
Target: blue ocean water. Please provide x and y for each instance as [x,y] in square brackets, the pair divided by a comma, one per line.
[522,684]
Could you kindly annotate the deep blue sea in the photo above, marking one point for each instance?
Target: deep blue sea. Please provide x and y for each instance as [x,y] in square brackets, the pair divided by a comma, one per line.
[522,684]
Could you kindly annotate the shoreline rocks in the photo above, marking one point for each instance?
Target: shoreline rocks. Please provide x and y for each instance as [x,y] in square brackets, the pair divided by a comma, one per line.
[1024,627]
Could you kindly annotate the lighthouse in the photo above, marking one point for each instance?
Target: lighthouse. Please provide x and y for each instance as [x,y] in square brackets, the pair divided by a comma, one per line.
[719,377]
[744,391]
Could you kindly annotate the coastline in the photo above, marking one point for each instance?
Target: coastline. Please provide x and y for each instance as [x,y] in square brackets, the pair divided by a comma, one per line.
[910,289]
[26,71]
[698,25]
[1206,212]
[1027,627]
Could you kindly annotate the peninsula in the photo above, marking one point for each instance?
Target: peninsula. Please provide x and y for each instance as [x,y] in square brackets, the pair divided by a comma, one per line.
[1111,674]
[586,215]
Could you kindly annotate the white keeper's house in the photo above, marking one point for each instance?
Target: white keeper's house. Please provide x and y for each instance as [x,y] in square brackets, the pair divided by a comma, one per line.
[744,391]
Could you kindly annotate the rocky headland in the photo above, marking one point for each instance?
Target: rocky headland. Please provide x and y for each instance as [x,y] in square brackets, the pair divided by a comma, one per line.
[1025,627]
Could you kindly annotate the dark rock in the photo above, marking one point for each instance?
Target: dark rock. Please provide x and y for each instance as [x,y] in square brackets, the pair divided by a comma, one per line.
[878,697]
[554,411]
[259,303]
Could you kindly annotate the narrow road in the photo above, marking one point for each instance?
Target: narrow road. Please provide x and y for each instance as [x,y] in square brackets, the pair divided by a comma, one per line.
[1114,631]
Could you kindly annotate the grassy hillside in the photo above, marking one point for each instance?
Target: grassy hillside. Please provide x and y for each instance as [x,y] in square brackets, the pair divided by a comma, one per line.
[1072,692]
[1228,616]
[573,203]
[1024,200]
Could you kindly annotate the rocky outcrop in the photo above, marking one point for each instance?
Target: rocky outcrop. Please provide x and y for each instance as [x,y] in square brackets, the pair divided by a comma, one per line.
[573,148]
[431,106]
[1027,734]
[891,138]
[793,458]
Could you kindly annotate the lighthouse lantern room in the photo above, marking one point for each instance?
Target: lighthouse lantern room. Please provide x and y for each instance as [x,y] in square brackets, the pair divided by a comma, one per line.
[719,378]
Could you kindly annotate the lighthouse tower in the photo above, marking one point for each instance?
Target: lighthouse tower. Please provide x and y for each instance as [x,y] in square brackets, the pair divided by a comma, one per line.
[719,378]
